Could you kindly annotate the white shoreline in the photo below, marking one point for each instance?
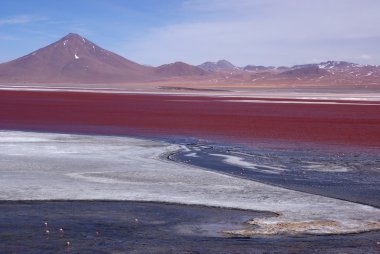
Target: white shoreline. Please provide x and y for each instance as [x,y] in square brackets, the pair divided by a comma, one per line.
[82,167]
[311,97]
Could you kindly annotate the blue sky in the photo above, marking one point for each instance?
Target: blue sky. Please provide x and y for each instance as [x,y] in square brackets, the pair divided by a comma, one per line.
[261,32]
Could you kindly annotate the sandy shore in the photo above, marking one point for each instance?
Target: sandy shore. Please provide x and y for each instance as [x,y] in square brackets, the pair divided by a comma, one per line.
[41,166]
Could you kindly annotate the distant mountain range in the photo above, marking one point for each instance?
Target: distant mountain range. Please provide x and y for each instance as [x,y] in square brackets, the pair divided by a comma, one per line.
[327,73]
[74,59]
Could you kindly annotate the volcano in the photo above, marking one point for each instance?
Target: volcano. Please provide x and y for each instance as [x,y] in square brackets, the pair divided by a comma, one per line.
[73,59]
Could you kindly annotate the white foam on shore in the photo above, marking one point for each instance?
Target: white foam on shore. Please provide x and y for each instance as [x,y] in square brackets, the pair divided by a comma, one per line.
[321,167]
[192,155]
[303,102]
[240,162]
[235,160]
[185,148]
[374,96]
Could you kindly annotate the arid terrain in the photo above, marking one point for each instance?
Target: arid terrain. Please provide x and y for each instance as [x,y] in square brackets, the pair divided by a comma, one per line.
[242,156]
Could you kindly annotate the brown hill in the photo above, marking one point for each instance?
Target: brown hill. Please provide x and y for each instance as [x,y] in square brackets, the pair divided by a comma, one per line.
[305,71]
[221,65]
[73,59]
[179,69]
[258,68]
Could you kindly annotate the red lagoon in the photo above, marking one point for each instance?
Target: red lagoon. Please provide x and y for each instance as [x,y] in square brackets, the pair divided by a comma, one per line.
[242,120]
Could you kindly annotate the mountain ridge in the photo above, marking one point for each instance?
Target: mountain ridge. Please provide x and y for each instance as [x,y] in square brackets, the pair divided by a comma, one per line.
[75,59]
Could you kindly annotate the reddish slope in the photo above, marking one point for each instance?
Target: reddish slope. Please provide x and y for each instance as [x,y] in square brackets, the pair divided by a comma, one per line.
[73,59]
[179,69]
[221,65]
[307,71]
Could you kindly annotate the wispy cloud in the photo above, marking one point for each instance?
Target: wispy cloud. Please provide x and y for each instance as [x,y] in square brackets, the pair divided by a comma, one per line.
[219,6]
[21,19]
[263,32]
[7,38]
[365,57]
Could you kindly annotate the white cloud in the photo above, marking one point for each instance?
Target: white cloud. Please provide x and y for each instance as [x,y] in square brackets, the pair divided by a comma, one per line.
[7,38]
[224,5]
[21,19]
[262,32]
[365,57]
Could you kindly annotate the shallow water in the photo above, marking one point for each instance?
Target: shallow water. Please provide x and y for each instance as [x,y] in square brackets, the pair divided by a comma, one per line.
[350,175]
[161,228]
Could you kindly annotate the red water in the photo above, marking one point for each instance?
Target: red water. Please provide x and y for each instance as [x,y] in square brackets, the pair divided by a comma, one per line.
[190,116]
